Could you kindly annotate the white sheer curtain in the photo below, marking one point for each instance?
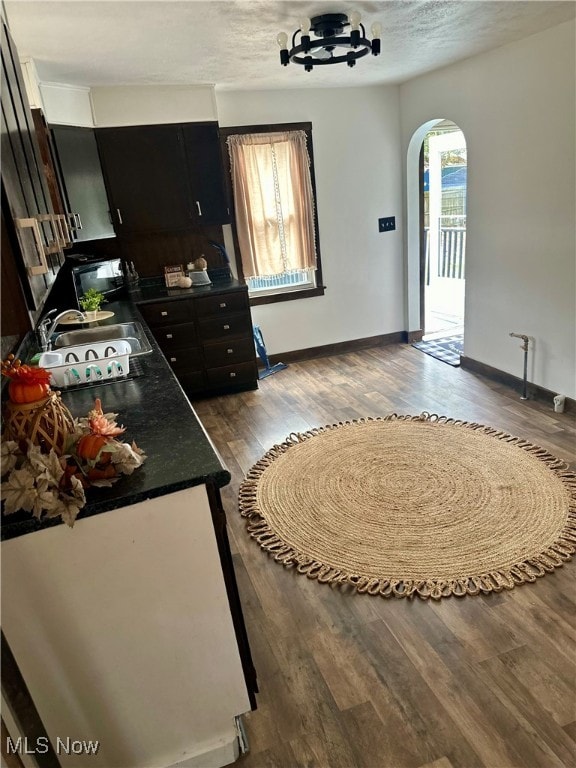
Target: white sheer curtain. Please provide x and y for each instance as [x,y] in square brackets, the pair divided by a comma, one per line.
[273,202]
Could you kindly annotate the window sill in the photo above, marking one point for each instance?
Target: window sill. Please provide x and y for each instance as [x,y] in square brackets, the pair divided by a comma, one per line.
[287,296]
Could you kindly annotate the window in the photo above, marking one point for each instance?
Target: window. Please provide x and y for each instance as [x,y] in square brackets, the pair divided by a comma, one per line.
[275,226]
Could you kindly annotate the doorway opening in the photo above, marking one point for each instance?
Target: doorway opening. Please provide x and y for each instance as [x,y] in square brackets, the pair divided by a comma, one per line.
[443,236]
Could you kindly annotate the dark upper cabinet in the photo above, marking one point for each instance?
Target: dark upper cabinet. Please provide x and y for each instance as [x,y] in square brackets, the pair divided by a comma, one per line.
[144,170]
[82,182]
[163,178]
[205,172]
[38,241]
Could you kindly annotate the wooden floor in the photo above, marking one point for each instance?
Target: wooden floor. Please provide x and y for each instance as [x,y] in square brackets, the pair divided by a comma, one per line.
[350,680]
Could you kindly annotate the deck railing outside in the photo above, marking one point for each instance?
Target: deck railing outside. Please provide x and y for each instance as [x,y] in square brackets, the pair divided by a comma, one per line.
[451,252]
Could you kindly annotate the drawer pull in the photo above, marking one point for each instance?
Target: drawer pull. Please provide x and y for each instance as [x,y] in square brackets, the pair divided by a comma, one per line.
[164,313]
[169,336]
[226,327]
[232,375]
[173,359]
[230,351]
[222,305]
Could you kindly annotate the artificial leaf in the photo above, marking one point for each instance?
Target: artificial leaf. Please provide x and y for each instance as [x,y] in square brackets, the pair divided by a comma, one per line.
[18,491]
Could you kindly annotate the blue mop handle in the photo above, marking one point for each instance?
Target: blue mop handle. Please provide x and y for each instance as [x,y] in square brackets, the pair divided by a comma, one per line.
[260,346]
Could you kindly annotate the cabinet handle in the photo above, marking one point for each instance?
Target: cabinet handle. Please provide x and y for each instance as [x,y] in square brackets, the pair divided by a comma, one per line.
[54,238]
[64,230]
[226,327]
[230,351]
[232,375]
[42,268]
[119,216]
[163,313]
[74,221]
[222,305]
[59,230]
[169,336]
[199,208]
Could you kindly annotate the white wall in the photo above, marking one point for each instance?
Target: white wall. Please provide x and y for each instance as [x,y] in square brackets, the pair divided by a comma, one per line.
[516,107]
[357,158]
[152,104]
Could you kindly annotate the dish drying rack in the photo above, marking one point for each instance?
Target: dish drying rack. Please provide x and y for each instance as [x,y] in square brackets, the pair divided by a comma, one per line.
[88,363]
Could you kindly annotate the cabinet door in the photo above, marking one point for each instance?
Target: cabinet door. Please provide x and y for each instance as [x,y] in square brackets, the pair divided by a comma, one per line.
[145,176]
[23,181]
[205,170]
[47,154]
[81,174]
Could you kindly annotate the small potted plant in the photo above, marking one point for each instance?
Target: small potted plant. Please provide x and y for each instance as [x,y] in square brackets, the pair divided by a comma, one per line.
[91,302]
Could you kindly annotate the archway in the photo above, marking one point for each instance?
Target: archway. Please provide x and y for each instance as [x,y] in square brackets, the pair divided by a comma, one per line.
[436,231]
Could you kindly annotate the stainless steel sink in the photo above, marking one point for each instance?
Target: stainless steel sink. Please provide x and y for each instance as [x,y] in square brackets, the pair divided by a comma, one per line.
[133,333]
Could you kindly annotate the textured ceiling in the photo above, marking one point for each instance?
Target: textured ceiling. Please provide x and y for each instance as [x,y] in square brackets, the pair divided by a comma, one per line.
[232,44]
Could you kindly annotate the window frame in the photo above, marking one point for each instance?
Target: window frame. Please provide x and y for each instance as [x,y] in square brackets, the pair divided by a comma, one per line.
[288,294]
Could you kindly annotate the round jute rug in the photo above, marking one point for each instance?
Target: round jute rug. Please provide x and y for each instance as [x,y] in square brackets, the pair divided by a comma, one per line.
[413,505]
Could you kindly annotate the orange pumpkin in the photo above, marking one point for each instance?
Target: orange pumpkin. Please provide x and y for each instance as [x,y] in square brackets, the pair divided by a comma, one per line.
[96,473]
[28,383]
[90,445]
[23,392]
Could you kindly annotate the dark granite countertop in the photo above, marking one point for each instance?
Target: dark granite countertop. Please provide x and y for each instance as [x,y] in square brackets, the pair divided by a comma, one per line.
[154,289]
[158,416]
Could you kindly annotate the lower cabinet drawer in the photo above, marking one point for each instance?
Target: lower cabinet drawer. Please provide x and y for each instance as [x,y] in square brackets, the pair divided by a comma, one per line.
[225,304]
[184,360]
[232,375]
[221,328]
[166,312]
[229,352]
[175,336]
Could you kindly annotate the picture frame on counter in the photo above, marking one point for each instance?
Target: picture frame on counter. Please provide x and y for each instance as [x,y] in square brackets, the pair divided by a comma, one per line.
[172,275]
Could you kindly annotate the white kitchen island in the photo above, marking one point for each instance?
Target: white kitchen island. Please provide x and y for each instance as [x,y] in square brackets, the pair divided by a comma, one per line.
[122,630]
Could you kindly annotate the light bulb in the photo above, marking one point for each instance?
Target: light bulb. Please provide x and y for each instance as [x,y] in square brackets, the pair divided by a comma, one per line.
[354,19]
[304,25]
[282,40]
[376,29]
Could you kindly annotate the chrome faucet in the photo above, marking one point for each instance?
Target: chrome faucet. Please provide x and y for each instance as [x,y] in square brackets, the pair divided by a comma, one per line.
[47,326]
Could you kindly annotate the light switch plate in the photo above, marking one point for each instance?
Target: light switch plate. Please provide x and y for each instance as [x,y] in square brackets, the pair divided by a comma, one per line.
[387,224]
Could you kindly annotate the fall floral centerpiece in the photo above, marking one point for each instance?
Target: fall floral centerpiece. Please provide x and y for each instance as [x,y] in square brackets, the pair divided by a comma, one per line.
[34,412]
[47,477]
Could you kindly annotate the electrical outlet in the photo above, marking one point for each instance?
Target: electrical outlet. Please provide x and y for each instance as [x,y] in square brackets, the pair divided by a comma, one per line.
[387,224]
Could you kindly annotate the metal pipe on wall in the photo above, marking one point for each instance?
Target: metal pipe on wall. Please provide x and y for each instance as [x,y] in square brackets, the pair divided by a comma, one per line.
[524,347]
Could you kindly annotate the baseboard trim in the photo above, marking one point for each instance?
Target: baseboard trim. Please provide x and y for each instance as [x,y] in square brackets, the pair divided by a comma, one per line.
[413,336]
[224,753]
[535,392]
[340,347]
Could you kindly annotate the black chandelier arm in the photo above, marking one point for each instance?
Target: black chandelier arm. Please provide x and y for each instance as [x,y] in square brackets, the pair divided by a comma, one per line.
[327,42]
[308,60]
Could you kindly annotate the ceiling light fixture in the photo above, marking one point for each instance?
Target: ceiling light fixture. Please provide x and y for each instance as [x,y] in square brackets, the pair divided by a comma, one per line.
[322,49]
